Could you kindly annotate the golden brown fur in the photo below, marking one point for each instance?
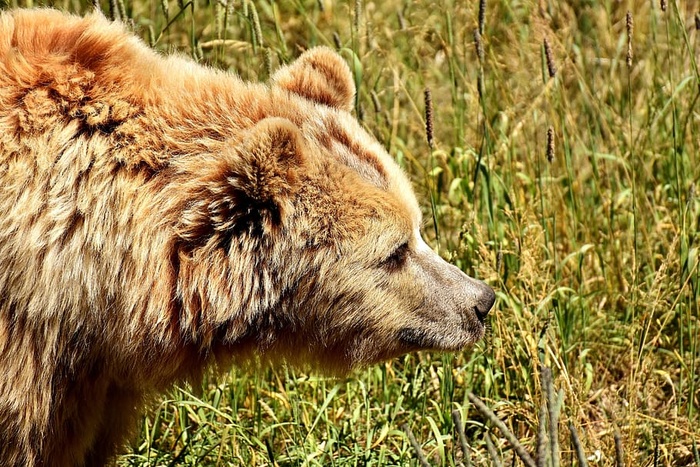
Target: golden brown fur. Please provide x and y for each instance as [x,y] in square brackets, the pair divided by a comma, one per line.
[158,217]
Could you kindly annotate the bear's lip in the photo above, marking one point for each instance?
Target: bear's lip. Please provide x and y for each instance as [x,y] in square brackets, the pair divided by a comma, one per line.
[427,339]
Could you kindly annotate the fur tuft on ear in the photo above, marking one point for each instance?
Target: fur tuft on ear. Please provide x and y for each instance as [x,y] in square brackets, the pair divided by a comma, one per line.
[320,75]
[247,190]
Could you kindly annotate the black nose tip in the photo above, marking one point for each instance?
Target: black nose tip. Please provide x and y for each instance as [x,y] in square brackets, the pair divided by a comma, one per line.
[484,302]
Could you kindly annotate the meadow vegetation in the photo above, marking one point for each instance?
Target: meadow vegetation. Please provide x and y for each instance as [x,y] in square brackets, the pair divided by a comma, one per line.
[561,168]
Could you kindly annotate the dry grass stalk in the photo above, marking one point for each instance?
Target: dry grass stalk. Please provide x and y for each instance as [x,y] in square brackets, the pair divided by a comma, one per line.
[495,460]
[619,452]
[416,447]
[459,427]
[553,406]
[230,44]
[151,36]
[402,20]
[580,455]
[498,423]
[542,436]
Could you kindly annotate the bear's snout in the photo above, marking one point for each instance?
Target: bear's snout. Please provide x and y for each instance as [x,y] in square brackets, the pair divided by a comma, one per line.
[454,310]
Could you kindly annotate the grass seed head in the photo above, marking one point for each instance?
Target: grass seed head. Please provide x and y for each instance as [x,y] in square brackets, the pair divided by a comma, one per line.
[551,67]
[482,15]
[691,194]
[257,30]
[375,102]
[268,62]
[630,31]
[336,41]
[114,10]
[479,45]
[550,144]
[428,116]
[358,14]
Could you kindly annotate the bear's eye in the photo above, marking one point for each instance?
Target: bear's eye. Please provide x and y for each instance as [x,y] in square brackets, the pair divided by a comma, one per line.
[397,257]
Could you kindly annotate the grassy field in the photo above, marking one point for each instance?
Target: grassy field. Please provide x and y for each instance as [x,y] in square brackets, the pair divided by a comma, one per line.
[562,171]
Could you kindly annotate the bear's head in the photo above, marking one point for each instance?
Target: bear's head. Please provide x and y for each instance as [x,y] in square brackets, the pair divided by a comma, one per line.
[301,239]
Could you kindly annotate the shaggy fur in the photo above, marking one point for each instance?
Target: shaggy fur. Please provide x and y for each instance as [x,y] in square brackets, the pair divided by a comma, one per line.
[158,217]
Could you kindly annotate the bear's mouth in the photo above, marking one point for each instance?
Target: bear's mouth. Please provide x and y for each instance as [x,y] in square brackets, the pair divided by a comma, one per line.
[418,338]
[426,339]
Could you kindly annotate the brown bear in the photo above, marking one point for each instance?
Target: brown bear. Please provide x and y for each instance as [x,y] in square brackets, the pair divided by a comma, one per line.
[158,217]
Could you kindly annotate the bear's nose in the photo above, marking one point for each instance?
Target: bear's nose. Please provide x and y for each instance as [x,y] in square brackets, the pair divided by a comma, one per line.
[484,301]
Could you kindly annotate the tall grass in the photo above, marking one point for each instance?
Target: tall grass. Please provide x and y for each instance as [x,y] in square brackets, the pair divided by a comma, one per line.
[559,172]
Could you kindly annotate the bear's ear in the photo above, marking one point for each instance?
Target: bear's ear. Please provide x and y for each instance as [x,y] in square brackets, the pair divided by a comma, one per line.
[246,190]
[320,75]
